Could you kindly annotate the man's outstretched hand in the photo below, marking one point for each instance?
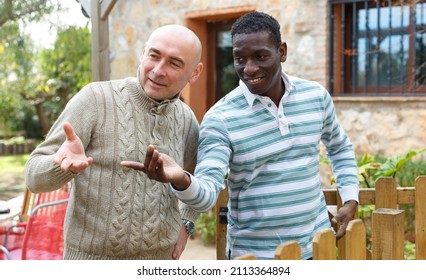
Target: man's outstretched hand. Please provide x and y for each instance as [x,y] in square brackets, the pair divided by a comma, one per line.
[160,167]
[71,155]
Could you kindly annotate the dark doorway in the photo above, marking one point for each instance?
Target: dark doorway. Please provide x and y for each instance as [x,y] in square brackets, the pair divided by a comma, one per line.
[222,78]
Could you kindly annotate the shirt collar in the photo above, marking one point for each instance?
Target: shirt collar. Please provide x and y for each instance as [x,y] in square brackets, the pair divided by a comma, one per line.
[250,97]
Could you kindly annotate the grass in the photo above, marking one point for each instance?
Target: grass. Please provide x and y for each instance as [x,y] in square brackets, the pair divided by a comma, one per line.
[14,163]
[12,174]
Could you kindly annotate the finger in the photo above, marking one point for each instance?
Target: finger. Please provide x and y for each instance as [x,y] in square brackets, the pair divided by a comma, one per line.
[339,234]
[58,158]
[69,132]
[160,166]
[153,165]
[342,230]
[66,163]
[134,165]
[176,253]
[79,166]
[148,156]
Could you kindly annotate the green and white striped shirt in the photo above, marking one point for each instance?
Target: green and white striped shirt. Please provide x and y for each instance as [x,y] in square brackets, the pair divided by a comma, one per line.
[271,156]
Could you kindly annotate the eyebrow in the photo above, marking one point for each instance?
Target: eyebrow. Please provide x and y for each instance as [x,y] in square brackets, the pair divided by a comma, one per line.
[176,58]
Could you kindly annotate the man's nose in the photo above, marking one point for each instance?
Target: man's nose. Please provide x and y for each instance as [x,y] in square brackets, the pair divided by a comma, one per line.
[159,68]
[250,68]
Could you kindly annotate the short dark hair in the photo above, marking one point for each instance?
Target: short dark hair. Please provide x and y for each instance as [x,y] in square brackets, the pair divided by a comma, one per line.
[254,22]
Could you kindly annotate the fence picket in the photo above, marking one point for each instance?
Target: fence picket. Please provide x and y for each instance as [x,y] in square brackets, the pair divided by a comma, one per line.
[324,245]
[288,251]
[355,239]
[246,257]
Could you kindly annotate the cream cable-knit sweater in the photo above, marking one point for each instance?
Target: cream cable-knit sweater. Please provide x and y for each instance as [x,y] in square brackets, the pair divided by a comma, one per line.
[115,212]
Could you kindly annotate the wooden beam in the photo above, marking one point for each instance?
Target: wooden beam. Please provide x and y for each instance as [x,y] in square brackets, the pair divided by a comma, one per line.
[106,7]
[100,44]
[405,195]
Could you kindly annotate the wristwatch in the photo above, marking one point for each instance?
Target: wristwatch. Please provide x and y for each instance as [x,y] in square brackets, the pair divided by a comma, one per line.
[190,228]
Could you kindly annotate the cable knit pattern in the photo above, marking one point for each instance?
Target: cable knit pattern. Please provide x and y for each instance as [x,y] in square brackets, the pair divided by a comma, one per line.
[122,191]
[116,212]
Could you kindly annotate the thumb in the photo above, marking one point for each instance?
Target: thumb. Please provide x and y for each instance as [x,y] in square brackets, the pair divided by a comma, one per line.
[69,132]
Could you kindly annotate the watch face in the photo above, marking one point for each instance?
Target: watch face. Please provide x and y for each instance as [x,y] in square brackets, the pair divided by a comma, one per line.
[189,226]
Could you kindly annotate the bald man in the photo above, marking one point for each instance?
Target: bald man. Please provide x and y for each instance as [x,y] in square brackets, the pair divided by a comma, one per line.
[116,212]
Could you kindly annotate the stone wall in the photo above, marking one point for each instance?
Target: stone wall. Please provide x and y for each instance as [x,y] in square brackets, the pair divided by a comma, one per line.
[377,126]
[384,127]
[132,21]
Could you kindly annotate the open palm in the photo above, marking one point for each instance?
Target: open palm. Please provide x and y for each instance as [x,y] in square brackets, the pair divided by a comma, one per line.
[71,155]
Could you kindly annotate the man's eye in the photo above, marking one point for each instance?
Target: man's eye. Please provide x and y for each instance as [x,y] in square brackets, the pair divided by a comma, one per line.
[175,65]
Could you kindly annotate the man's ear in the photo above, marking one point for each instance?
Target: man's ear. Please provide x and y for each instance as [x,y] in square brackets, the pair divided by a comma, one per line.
[196,73]
[283,52]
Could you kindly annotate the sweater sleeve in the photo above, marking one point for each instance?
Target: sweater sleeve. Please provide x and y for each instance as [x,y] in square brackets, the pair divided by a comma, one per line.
[41,173]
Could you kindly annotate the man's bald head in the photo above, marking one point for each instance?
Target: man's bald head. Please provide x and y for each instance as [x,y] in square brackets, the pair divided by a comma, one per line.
[170,60]
[179,34]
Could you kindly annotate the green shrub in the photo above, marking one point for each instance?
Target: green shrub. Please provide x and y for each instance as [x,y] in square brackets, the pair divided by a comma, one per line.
[206,227]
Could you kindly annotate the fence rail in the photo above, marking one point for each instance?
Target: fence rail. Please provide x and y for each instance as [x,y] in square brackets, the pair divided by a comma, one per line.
[17,149]
[387,227]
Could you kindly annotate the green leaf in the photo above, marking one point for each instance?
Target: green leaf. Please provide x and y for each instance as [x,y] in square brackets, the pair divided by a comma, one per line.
[394,164]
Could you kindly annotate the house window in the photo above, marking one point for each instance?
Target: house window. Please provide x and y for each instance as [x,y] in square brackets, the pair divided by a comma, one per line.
[378,48]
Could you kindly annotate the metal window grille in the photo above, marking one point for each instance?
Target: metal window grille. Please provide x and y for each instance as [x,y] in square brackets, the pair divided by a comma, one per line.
[377,48]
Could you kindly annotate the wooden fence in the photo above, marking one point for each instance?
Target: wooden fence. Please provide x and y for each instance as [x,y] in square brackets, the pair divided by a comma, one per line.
[387,226]
[17,149]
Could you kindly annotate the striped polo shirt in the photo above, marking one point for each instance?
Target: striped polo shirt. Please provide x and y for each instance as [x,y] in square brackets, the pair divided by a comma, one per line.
[270,156]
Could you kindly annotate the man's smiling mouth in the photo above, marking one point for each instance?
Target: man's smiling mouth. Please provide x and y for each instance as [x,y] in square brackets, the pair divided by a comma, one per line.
[156,83]
[253,80]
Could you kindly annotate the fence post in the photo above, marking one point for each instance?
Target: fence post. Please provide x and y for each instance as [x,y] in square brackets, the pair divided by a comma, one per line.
[221,223]
[386,193]
[324,245]
[288,251]
[420,215]
[388,234]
